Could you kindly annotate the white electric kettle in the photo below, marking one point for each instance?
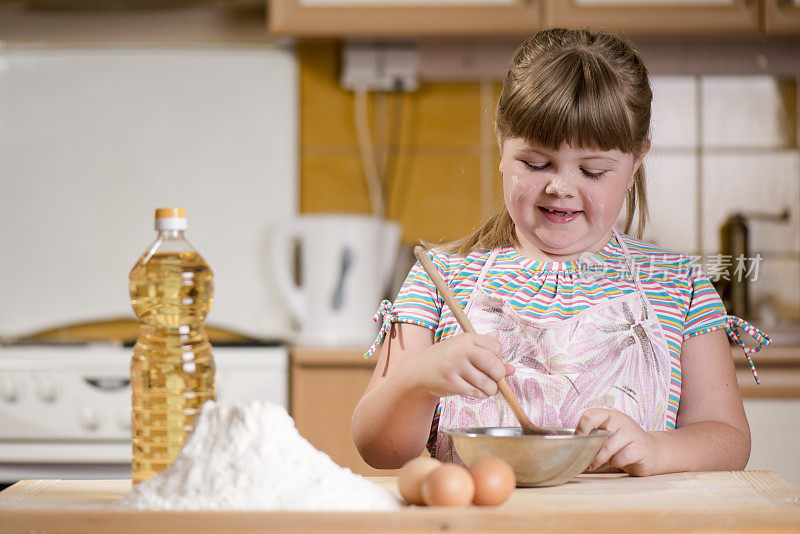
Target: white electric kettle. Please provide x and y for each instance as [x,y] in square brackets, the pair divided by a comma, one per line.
[346,263]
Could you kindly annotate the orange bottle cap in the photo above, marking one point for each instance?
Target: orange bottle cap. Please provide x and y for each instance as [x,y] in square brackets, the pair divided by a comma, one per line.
[170,213]
[170,219]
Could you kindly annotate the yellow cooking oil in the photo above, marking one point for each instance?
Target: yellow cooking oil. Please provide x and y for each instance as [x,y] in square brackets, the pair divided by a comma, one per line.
[172,369]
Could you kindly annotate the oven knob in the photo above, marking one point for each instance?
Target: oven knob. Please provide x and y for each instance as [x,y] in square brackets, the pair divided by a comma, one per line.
[46,388]
[89,419]
[9,389]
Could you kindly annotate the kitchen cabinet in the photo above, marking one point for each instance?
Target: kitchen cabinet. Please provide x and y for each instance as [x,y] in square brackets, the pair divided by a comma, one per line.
[771,406]
[778,368]
[326,385]
[385,18]
[654,16]
[782,17]
[774,436]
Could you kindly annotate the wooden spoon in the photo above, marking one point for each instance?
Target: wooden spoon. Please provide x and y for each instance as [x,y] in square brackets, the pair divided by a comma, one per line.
[527,426]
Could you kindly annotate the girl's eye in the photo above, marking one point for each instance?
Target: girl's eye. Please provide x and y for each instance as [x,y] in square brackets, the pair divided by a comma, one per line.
[586,172]
[591,174]
[535,167]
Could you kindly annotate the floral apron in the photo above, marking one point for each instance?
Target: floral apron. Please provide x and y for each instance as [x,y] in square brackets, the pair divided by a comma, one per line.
[610,355]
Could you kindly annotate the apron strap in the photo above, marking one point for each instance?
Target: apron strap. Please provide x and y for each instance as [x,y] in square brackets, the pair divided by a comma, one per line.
[629,260]
[734,326]
[486,266]
[479,282]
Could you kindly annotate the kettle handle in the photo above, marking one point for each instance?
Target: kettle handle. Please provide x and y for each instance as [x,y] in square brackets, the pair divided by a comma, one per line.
[281,258]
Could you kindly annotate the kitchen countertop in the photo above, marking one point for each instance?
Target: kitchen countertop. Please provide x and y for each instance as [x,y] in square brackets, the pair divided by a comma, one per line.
[757,500]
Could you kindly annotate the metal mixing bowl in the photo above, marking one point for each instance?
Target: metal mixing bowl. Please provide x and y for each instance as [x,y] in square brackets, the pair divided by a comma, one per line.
[537,460]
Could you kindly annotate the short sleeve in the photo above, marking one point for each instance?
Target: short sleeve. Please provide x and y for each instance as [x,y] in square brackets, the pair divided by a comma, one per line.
[706,312]
[418,302]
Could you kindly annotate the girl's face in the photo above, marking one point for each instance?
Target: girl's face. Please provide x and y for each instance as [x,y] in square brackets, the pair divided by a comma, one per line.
[564,203]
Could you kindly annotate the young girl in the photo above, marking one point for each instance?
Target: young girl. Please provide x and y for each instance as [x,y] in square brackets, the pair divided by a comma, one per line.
[592,329]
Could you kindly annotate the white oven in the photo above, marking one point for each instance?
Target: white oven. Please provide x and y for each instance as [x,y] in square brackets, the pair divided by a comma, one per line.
[65,410]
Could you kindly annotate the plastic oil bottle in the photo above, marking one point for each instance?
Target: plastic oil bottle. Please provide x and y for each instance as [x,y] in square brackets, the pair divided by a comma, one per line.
[172,369]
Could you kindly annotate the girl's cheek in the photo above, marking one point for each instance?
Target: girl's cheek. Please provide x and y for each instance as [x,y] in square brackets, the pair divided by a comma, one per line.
[605,203]
[519,189]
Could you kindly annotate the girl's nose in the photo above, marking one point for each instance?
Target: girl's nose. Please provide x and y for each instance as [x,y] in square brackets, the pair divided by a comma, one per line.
[558,188]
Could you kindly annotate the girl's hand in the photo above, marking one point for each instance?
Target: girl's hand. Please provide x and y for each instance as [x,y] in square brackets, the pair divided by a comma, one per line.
[629,447]
[466,364]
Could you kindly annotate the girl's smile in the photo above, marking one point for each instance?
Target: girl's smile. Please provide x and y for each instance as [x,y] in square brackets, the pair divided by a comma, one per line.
[556,215]
[564,202]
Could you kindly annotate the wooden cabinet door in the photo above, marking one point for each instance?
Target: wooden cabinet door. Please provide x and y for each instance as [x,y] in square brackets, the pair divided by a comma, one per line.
[782,17]
[638,17]
[382,18]
[326,385]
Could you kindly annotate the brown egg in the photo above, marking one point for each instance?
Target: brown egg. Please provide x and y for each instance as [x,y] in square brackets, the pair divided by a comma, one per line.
[448,485]
[494,481]
[410,477]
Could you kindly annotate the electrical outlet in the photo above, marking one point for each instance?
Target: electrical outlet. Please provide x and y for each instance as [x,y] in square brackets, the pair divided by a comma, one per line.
[380,67]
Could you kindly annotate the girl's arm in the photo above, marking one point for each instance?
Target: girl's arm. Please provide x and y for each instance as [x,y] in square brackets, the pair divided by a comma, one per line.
[712,431]
[392,422]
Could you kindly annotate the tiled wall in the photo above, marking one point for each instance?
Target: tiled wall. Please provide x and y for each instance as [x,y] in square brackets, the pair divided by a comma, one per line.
[721,144]
[435,186]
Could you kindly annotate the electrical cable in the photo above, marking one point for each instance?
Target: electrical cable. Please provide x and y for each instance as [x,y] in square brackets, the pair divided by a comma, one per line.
[367,151]
[395,135]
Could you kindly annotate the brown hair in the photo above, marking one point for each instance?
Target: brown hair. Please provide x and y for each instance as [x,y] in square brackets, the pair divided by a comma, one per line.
[587,88]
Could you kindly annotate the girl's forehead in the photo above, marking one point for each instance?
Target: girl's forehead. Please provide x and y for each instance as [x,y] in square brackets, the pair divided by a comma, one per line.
[566,149]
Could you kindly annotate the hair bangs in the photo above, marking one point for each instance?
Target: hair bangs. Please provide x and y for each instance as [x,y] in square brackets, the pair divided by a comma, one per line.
[575,99]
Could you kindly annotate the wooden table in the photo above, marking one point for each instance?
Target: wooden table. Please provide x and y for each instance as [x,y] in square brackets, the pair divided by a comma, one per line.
[698,502]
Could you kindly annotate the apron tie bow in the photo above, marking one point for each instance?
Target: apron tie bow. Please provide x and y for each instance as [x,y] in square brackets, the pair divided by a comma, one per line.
[734,326]
[385,310]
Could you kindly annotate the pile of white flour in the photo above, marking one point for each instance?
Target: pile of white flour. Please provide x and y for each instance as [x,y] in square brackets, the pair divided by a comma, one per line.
[252,458]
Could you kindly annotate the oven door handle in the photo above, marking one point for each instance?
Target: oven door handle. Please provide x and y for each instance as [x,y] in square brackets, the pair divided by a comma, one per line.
[108,383]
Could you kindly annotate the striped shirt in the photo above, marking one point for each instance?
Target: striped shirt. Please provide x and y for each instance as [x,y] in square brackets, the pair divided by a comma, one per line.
[682,296]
